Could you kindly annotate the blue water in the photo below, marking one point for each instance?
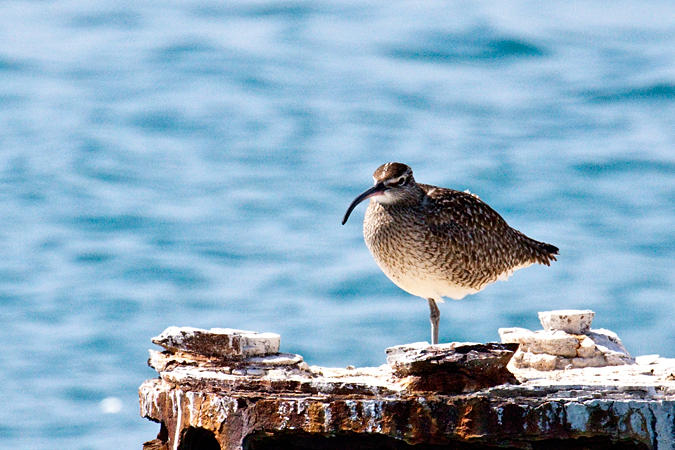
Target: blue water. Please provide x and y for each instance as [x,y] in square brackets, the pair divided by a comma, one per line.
[188,163]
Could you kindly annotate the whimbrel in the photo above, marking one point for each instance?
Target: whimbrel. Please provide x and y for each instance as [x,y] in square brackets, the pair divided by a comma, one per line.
[434,242]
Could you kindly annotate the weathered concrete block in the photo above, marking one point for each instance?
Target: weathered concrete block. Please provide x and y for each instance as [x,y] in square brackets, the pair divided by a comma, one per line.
[586,347]
[556,349]
[571,321]
[220,342]
[608,343]
[551,343]
[578,363]
[541,362]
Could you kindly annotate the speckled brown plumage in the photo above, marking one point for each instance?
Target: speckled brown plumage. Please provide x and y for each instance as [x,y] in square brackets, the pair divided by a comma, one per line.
[435,242]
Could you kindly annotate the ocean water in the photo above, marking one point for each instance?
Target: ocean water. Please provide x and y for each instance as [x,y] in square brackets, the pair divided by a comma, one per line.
[188,163]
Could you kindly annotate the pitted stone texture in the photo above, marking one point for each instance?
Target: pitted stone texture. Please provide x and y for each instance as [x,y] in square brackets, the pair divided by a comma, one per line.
[281,365]
[551,350]
[401,352]
[572,321]
[556,343]
[535,361]
[219,342]
[280,359]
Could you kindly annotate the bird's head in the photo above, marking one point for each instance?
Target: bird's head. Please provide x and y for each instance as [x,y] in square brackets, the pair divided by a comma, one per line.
[393,182]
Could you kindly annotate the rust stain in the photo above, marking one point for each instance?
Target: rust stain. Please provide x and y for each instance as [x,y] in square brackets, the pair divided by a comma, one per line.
[465,427]
[317,417]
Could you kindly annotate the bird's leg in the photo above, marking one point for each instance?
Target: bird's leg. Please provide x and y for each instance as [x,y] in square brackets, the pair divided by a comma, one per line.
[434,317]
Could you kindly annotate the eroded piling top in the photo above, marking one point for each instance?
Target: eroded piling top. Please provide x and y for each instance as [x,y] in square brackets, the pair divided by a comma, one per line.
[458,392]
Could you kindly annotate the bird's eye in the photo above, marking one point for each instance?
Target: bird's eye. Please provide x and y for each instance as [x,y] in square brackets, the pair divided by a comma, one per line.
[398,182]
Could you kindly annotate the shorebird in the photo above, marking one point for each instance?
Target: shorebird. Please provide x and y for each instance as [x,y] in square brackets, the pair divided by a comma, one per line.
[434,242]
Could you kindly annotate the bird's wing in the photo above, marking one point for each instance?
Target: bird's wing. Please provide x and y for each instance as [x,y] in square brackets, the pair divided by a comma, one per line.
[460,212]
[478,239]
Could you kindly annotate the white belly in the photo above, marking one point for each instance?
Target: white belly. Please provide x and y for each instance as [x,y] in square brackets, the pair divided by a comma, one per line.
[425,285]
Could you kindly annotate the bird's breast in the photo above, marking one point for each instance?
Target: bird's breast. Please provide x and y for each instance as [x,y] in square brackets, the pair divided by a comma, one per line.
[402,248]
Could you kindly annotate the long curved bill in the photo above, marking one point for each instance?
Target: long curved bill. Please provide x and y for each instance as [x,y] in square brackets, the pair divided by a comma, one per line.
[378,189]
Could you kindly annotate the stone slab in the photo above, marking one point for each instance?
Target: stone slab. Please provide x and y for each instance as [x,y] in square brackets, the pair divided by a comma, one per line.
[572,321]
[218,342]
[452,368]
[416,359]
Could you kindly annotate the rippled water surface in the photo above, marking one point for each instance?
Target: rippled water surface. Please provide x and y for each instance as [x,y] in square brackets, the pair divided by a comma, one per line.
[188,163]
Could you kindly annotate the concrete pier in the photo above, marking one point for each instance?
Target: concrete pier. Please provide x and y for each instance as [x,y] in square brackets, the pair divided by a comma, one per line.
[232,389]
